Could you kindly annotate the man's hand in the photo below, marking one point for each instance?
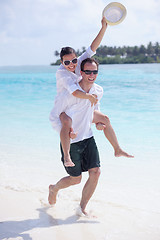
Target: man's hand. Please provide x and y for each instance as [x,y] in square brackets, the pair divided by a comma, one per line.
[93,99]
[72,134]
[100,126]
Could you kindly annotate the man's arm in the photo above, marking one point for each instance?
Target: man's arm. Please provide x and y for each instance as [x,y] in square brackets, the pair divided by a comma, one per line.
[96,42]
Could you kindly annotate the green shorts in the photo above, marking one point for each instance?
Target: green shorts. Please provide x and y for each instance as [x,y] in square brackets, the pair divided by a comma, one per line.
[85,156]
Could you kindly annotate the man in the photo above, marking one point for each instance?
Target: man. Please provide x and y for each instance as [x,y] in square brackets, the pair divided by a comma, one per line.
[83,149]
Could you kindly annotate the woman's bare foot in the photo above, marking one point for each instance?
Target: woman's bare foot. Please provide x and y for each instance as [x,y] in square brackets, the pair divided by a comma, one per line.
[52,195]
[100,126]
[68,162]
[120,153]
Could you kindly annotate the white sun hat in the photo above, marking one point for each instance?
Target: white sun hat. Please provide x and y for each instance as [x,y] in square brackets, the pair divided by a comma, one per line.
[114,13]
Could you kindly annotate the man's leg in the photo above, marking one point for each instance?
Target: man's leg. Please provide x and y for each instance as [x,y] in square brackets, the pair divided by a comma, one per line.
[89,187]
[109,133]
[65,139]
[63,183]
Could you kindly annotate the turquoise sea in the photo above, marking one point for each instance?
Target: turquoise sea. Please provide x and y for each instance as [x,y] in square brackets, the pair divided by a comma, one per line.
[29,147]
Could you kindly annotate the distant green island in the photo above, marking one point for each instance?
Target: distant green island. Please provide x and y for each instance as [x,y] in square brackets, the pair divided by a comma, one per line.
[123,55]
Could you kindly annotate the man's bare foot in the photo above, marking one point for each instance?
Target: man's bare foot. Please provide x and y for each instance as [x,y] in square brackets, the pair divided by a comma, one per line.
[52,195]
[68,162]
[120,153]
[81,213]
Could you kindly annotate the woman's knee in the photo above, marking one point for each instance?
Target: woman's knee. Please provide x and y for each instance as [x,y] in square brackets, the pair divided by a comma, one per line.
[101,118]
[65,120]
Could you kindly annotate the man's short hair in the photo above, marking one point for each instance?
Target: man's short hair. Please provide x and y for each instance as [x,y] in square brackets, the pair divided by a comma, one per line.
[66,51]
[88,60]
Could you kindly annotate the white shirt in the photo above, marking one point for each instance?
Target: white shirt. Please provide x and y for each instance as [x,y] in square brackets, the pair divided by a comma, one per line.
[68,80]
[79,110]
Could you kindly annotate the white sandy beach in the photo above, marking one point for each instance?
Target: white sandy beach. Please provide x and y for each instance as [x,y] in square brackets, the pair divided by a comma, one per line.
[125,214]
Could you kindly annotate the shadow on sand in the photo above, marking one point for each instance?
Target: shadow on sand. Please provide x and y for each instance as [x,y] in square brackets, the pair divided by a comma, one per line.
[14,229]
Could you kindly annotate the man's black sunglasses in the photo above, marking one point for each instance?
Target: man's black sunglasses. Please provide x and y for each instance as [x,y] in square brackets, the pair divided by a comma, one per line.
[88,72]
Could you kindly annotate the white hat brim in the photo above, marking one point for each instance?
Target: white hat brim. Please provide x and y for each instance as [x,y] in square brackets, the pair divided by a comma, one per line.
[114,13]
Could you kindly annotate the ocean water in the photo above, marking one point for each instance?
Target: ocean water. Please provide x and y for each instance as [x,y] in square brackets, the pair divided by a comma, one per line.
[29,147]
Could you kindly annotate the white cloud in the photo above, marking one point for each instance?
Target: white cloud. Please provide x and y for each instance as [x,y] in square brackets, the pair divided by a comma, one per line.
[30,31]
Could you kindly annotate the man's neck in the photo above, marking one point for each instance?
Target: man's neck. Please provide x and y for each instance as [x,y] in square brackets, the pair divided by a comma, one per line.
[86,87]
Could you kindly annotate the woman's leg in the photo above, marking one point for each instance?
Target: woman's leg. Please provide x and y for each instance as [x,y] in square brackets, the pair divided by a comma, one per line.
[109,133]
[65,138]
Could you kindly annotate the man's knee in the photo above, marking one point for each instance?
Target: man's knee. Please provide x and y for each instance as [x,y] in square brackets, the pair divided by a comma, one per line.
[76,180]
[95,172]
[65,120]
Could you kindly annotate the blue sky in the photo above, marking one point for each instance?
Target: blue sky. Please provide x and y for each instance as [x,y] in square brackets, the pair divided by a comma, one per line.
[31,30]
